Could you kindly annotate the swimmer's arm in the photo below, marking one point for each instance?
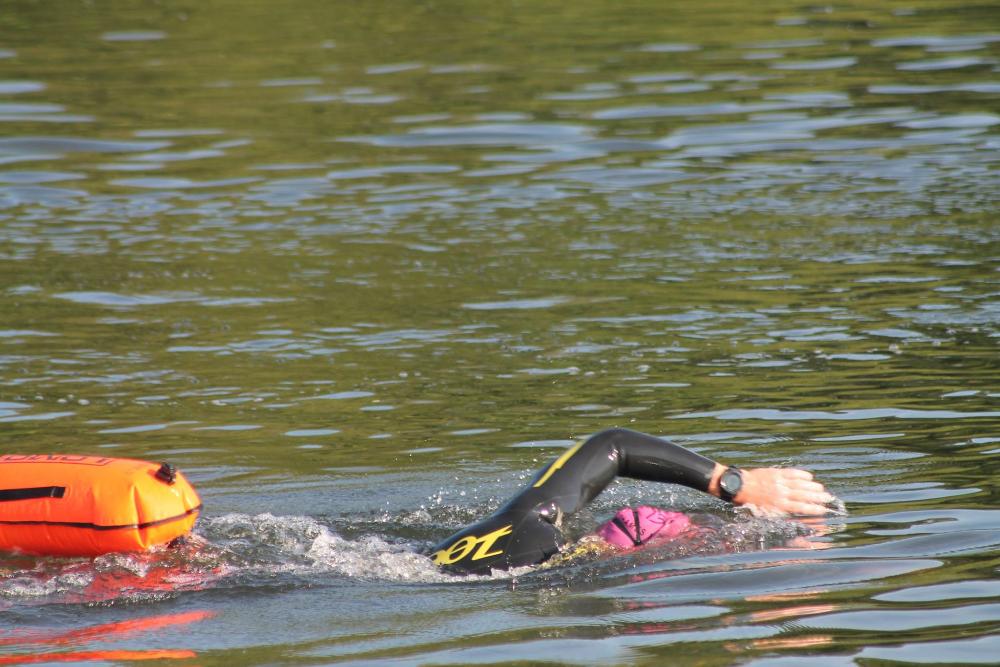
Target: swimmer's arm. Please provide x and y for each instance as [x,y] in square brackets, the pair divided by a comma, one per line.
[777,491]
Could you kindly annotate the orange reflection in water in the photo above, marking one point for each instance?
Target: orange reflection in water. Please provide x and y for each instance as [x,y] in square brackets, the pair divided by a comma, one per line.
[777,643]
[103,631]
[83,656]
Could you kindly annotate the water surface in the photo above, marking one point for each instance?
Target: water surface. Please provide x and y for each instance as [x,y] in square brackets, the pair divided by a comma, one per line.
[360,268]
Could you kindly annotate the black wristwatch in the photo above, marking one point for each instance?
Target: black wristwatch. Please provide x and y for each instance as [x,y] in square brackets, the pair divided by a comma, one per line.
[730,484]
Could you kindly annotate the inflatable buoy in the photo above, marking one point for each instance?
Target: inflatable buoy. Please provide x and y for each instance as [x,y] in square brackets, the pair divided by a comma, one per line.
[68,505]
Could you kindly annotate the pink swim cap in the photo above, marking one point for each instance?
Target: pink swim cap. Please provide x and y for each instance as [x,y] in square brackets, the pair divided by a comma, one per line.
[633,526]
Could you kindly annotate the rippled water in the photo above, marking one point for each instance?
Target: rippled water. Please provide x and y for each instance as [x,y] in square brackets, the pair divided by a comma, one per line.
[360,268]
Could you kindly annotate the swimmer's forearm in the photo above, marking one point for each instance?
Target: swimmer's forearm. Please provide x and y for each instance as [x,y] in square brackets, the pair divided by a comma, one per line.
[646,457]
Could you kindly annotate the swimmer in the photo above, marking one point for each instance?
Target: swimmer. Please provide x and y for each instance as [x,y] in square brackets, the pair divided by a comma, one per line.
[526,530]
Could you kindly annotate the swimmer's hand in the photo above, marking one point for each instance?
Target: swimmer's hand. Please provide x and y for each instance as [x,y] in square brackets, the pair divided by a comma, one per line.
[778,491]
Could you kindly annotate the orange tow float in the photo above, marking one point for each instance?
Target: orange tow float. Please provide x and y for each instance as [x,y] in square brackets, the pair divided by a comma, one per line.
[70,505]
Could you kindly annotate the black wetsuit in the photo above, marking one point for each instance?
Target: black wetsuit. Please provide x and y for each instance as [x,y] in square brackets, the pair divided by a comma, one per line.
[525,531]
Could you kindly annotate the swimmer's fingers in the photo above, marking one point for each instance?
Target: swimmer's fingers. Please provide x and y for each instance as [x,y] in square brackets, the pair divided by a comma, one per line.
[800,479]
[783,491]
[807,508]
[807,498]
[802,487]
[793,501]
[787,508]
[812,492]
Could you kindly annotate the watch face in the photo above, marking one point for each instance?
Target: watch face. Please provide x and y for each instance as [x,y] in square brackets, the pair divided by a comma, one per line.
[731,482]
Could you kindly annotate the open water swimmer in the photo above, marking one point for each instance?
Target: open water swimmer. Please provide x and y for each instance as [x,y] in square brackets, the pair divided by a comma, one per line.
[527,529]
[69,505]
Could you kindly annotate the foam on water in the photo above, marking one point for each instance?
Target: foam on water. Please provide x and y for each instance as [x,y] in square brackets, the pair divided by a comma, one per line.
[303,546]
[227,551]
[264,551]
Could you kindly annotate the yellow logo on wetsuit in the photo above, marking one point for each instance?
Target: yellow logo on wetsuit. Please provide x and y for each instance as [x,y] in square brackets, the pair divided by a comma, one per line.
[464,547]
[558,463]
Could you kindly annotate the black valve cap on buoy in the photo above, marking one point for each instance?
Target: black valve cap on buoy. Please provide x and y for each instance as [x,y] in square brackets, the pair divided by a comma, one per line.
[167,473]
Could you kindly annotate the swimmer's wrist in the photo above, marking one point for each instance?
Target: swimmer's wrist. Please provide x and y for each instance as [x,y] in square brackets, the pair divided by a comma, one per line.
[713,483]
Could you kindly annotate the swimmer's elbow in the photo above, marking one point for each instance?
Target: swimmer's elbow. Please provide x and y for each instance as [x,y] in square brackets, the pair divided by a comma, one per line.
[612,435]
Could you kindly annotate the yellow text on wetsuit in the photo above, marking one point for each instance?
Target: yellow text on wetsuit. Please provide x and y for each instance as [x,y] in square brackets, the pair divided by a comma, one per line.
[465,546]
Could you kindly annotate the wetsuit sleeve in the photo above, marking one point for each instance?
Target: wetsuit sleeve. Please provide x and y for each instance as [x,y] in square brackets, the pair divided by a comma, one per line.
[525,530]
[579,475]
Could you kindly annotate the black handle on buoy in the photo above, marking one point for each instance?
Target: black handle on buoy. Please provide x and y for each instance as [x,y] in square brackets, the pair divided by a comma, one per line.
[167,473]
